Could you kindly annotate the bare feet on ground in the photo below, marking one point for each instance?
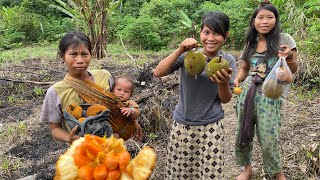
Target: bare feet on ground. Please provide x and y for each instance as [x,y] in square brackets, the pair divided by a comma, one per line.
[246,174]
[280,176]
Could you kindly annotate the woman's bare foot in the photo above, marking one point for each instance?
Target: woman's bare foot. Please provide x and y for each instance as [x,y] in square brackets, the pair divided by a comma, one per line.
[280,176]
[245,175]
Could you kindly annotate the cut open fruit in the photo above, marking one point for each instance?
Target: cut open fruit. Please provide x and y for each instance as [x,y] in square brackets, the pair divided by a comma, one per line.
[93,157]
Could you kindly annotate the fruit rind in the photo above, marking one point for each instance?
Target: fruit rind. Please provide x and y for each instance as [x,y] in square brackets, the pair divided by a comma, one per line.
[216,64]
[194,62]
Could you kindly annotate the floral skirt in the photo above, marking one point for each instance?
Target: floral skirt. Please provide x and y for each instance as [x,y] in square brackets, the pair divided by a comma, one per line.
[266,125]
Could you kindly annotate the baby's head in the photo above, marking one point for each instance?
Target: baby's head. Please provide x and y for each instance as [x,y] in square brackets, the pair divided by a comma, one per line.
[123,88]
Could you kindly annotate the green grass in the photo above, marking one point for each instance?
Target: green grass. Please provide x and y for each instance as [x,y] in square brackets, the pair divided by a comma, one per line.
[14,132]
[48,51]
[114,49]
[9,164]
[304,93]
[138,56]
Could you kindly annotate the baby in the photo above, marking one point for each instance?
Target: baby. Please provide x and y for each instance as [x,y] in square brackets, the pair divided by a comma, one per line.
[123,88]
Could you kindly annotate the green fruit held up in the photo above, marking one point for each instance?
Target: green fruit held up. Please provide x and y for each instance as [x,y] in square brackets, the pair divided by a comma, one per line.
[194,62]
[216,64]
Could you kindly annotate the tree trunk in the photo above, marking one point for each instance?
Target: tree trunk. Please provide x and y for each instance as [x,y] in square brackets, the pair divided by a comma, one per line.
[99,37]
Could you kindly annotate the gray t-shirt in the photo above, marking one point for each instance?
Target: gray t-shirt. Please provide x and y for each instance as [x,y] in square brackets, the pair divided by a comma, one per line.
[258,66]
[199,103]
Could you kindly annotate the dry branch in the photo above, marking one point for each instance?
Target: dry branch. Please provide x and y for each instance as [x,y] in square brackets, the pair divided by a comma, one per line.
[27,81]
[125,49]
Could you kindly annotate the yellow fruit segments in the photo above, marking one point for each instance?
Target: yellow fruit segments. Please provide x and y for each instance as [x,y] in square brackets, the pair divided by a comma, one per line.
[237,90]
[93,157]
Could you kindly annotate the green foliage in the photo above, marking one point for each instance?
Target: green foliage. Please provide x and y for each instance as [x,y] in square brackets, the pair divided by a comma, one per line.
[278,3]
[312,12]
[40,7]
[21,88]
[38,91]
[73,11]
[144,31]
[131,7]
[91,18]
[20,27]
[301,19]
[116,23]
[189,26]
[10,3]
[10,40]
[152,136]
[156,8]
[166,14]
[14,132]
[239,21]
[22,128]
[53,28]
[153,24]
[313,8]
[5,164]
[12,99]
[302,94]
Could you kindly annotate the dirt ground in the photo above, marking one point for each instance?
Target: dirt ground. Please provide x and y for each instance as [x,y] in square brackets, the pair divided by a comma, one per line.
[27,150]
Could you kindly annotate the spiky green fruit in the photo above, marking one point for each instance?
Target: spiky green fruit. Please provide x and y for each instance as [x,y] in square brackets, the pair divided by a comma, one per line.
[194,62]
[216,64]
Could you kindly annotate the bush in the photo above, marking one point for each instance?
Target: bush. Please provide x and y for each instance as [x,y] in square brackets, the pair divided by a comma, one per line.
[116,23]
[19,26]
[144,32]
[131,7]
[53,28]
[40,7]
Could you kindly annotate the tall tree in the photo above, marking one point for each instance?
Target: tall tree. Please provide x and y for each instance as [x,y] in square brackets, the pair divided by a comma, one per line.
[91,17]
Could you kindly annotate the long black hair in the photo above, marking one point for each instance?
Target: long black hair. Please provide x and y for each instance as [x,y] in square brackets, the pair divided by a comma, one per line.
[272,37]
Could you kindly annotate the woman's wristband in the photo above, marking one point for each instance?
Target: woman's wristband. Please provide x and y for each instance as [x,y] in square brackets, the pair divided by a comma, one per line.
[291,62]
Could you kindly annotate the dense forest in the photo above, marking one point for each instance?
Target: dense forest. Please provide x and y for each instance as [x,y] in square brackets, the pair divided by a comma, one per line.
[131,37]
[153,24]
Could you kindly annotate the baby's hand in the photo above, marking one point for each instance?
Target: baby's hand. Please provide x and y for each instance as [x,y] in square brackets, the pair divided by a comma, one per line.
[127,111]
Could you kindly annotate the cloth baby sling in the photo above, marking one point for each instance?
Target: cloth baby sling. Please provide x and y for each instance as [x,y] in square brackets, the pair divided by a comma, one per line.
[92,93]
